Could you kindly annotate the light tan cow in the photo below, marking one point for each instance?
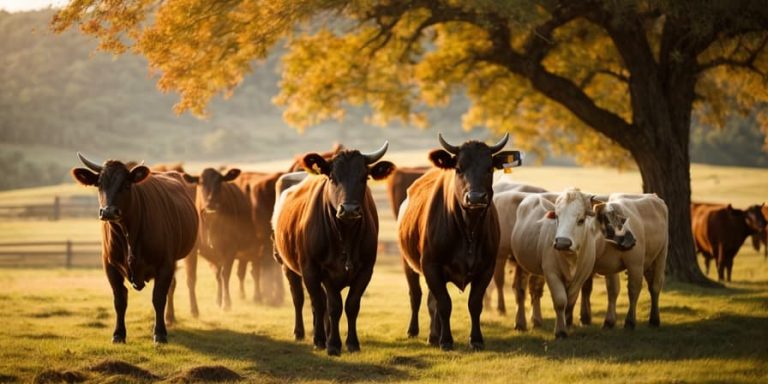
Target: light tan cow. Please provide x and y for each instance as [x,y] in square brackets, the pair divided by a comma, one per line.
[638,223]
[507,203]
[557,241]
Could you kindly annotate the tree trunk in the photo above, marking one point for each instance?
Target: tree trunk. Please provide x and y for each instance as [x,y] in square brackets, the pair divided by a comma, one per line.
[666,172]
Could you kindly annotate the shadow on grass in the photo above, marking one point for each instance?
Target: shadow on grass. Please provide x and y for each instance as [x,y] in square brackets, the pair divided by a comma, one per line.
[728,337]
[286,361]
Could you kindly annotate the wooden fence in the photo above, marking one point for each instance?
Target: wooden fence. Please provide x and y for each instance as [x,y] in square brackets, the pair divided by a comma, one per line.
[54,210]
[51,253]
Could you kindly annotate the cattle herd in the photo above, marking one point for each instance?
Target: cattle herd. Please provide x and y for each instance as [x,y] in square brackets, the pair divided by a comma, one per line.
[454,225]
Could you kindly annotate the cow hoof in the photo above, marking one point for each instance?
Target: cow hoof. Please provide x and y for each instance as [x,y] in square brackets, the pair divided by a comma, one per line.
[334,351]
[629,325]
[117,339]
[161,339]
[521,327]
[654,322]
[446,346]
[608,324]
[477,346]
[413,332]
[319,346]
[586,321]
[561,335]
[537,323]
[433,341]
[502,311]
[169,322]
[298,336]
[353,348]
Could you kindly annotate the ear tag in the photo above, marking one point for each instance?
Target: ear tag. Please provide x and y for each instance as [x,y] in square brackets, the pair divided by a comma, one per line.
[511,162]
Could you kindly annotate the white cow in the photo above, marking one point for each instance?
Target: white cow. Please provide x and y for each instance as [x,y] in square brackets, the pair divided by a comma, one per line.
[557,241]
[638,226]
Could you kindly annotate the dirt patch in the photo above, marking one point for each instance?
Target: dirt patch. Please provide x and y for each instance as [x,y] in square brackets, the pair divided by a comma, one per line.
[207,374]
[117,367]
[52,376]
[8,379]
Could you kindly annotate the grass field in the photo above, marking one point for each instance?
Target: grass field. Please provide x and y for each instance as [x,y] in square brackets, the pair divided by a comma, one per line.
[57,323]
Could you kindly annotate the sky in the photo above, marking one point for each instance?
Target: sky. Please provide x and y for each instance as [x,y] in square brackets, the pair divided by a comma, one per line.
[28,5]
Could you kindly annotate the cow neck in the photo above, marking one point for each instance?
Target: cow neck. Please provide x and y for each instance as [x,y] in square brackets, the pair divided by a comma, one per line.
[469,223]
[129,224]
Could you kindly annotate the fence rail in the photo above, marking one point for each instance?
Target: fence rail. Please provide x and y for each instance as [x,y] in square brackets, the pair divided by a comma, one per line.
[54,210]
[46,253]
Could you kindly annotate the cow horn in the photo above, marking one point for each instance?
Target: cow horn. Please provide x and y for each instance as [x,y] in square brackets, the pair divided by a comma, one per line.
[373,157]
[448,147]
[500,145]
[90,164]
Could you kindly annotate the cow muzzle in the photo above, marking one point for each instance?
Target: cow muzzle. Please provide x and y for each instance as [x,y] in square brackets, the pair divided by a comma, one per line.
[109,213]
[475,200]
[562,244]
[626,241]
[349,211]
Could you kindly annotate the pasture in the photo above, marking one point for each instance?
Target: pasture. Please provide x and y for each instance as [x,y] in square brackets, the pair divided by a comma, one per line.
[57,323]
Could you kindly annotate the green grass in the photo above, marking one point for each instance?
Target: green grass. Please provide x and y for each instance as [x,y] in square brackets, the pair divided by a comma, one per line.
[62,320]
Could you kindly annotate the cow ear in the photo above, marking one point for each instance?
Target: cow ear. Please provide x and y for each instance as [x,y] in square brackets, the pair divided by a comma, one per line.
[231,175]
[599,210]
[507,159]
[85,176]
[442,159]
[549,206]
[315,164]
[191,179]
[139,174]
[381,170]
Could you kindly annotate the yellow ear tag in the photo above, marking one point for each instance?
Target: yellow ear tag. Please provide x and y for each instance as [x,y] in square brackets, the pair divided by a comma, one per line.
[511,163]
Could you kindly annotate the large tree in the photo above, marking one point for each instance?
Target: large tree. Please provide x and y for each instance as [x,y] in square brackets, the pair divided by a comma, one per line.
[611,81]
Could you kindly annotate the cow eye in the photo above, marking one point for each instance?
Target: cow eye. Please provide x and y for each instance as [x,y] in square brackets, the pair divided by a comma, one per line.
[581,221]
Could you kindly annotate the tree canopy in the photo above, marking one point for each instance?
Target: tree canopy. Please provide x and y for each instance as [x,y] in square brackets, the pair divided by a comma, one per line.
[614,82]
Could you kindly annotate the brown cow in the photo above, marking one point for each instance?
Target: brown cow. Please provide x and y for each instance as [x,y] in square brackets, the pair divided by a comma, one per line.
[449,232]
[398,183]
[226,227]
[326,234]
[298,161]
[260,187]
[719,231]
[149,222]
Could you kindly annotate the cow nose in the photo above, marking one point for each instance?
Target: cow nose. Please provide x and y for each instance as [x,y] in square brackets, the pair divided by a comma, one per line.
[349,211]
[473,198]
[109,213]
[627,241]
[562,244]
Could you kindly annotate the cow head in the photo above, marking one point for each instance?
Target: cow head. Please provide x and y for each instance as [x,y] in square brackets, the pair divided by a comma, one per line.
[755,219]
[612,223]
[209,184]
[114,180]
[473,163]
[574,214]
[348,173]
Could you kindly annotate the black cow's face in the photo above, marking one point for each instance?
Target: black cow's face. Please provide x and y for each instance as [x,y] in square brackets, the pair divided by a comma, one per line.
[755,219]
[209,186]
[473,163]
[613,224]
[348,173]
[114,181]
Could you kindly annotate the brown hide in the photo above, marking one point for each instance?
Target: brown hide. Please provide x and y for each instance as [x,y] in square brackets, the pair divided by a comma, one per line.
[398,183]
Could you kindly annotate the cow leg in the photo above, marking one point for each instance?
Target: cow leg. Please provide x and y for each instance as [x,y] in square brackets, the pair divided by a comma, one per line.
[434,321]
[729,267]
[159,296]
[120,301]
[297,294]
[719,262]
[476,293]
[319,316]
[498,282]
[586,305]
[242,266]
[170,313]
[352,308]
[518,283]
[414,292]
[536,289]
[226,272]
[190,264]
[654,289]
[334,305]
[634,286]
[437,287]
[707,261]
[216,267]
[559,302]
[256,276]
[278,291]
[612,287]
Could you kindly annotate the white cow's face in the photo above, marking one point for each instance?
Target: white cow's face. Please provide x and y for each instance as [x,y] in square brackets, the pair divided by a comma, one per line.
[574,215]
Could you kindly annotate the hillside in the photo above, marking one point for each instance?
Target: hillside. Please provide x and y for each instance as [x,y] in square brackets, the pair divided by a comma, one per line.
[58,96]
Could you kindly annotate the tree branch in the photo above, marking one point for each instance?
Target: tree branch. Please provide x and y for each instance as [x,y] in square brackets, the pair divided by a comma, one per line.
[746,63]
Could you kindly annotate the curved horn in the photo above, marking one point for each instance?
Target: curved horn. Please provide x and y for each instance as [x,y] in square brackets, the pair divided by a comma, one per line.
[450,148]
[90,164]
[373,157]
[500,145]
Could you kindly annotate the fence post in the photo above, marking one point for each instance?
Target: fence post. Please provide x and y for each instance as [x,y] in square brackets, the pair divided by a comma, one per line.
[56,208]
[68,260]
